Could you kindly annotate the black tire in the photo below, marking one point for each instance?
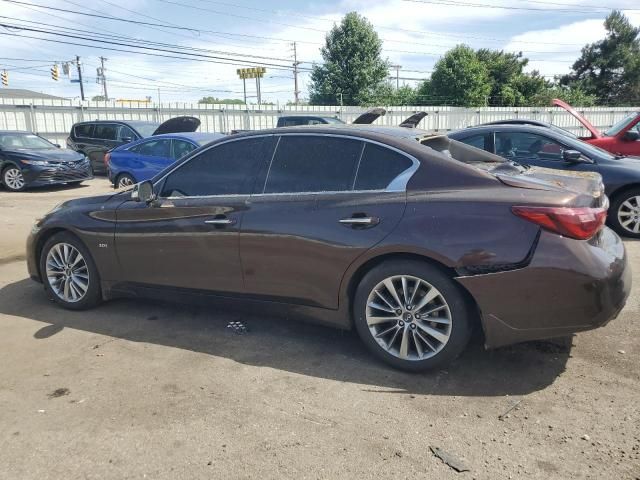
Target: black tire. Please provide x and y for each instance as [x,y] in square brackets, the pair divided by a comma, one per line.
[93,294]
[617,204]
[9,183]
[459,314]
[122,179]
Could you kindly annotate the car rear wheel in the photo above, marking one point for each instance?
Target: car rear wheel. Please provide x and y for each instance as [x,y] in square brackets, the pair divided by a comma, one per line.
[411,315]
[624,213]
[124,180]
[13,179]
[68,272]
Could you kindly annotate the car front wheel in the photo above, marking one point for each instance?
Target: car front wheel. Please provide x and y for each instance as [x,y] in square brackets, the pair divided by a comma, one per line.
[624,213]
[68,272]
[124,180]
[411,315]
[13,179]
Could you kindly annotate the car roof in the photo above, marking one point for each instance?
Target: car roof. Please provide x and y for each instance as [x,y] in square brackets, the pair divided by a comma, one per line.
[17,131]
[504,127]
[195,136]
[345,129]
[126,122]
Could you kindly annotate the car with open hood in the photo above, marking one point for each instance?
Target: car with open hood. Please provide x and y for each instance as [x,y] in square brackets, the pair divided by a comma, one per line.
[28,160]
[95,138]
[412,240]
[623,138]
[544,147]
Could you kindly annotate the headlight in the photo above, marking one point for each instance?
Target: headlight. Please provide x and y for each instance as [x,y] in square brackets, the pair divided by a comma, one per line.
[35,162]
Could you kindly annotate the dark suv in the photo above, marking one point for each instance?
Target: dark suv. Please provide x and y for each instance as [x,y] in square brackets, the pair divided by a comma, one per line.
[96,138]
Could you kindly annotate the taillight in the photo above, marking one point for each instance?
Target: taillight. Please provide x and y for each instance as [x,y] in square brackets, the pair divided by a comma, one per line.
[107,157]
[580,223]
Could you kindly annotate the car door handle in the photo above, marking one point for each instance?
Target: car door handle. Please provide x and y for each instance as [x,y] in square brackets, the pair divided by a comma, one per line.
[360,221]
[220,221]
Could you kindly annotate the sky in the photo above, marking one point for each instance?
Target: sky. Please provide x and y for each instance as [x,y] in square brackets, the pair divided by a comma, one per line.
[221,36]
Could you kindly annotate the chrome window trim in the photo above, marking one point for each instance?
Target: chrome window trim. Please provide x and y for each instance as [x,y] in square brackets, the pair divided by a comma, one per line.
[399,184]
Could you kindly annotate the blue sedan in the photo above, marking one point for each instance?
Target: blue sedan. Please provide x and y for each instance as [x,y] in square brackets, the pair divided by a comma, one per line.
[141,160]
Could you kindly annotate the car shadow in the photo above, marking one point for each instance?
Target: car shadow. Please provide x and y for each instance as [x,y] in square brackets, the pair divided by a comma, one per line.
[291,346]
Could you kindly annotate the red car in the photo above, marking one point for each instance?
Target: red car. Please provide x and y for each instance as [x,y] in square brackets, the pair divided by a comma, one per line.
[621,139]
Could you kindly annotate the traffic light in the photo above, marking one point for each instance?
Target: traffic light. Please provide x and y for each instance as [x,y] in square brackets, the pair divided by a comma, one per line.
[4,77]
[54,72]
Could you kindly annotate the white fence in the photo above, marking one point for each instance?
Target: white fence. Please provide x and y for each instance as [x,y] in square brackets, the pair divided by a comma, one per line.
[53,118]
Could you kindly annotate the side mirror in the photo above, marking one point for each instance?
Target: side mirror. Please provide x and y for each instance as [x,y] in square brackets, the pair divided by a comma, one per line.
[143,192]
[58,145]
[126,139]
[572,156]
[631,136]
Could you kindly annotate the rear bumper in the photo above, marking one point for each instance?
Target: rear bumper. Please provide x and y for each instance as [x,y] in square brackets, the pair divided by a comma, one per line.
[569,286]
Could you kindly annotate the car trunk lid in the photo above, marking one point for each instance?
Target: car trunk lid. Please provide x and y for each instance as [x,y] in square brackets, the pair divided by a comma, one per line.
[587,186]
[595,133]
[178,125]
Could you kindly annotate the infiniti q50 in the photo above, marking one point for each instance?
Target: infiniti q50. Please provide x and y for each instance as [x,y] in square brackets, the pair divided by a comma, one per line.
[410,239]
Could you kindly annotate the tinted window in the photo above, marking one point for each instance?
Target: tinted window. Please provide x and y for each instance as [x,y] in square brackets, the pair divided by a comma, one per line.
[521,146]
[379,167]
[478,141]
[154,148]
[105,131]
[226,169]
[125,133]
[181,148]
[85,130]
[313,164]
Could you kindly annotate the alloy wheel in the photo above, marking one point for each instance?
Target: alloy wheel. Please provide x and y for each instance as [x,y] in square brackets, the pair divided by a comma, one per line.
[408,317]
[125,181]
[629,214]
[13,178]
[67,272]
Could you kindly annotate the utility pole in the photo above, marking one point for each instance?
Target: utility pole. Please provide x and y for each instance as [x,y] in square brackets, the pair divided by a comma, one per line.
[104,78]
[244,88]
[78,64]
[296,92]
[397,67]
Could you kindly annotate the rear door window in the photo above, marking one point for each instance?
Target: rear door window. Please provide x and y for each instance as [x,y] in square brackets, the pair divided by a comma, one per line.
[84,130]
[106,131]
[379,167]
[478,141]
[313,163]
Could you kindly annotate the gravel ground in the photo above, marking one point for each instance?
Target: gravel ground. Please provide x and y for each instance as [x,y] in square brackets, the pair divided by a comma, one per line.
[136,389]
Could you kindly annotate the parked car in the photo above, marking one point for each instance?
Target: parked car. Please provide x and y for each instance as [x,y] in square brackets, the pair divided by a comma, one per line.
[142,160]
[28,160]
[621,139]
[412,240]
[297,120]
[544,147]
[94,139]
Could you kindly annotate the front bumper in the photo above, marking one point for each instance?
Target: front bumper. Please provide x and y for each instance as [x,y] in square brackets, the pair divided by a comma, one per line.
[569,286]
[37,176]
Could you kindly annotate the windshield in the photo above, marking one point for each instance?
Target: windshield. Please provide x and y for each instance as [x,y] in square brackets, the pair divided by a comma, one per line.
[146,129]
[24,141]
[618,127]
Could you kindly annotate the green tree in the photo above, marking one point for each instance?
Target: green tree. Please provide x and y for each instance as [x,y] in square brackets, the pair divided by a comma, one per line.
[459,78]
[98,98]
[222,101]
[388,95]
[610,68]
[574,96]
[353,70]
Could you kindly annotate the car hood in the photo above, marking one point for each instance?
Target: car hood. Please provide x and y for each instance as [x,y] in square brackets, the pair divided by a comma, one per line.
[593,130]
[370,116]
[178,125]
[53,155]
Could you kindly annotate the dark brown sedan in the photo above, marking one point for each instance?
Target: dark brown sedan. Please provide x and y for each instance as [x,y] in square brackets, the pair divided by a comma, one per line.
[413,240]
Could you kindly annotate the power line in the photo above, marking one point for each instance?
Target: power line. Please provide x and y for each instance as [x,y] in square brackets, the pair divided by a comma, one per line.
[503,7]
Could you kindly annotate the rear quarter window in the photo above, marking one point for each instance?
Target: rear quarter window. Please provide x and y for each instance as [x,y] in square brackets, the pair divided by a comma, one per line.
[84,131]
